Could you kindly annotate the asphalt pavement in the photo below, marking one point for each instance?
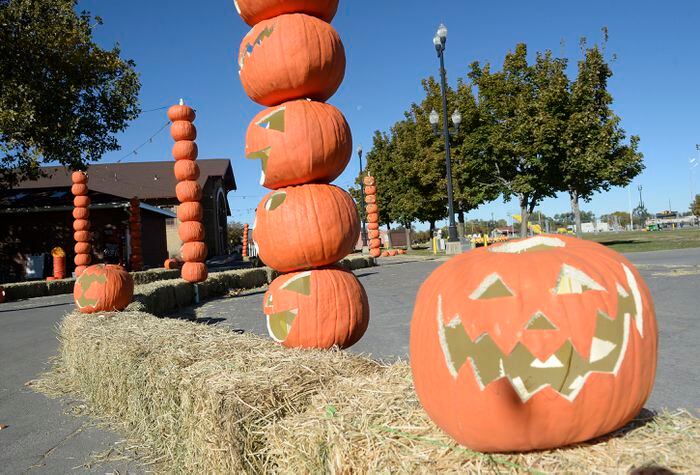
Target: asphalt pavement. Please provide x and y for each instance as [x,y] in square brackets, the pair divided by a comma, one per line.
[42,437]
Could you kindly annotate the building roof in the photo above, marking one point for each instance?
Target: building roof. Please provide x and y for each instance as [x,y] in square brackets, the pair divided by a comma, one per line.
[146,180]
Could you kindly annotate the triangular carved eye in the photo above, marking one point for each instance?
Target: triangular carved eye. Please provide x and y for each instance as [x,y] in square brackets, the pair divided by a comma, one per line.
[492,287]
[273,121]
[275,201]
[300,283]
[574,281]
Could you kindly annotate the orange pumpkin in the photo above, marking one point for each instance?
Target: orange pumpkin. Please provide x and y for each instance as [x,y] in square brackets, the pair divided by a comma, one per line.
[373,226]
[299,142]
[320,308]
[385,253]
[185,150]
[533,344]
[194,272]
[103,288]
[79,177]
[82,259]
[81,201]
[375,244]
[291,57]
[375,252]
[373,233]
[306,226]
[81,236]
[81,213]
[191,211]
[181,112]
[79,189]
[369,181]
[79,270]
[82,248]
[190,231]
[172,264]
[195,251]
[186,170]
[81,225]
[392,252]
[183,130]
[372,217]
[255,11]
[188,190]
[370,199]
[370,190]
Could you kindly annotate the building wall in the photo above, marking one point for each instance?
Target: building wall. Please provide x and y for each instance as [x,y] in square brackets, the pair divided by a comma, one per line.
[153,239]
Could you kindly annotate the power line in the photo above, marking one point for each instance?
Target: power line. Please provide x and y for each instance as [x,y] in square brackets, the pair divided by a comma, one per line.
[149,140]
[156,109]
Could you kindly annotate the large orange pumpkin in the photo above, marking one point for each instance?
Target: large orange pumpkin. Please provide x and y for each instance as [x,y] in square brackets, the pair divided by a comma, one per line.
[255,11]
[103,288]
[533,344]
[183,130]
[195,251]
[181,112]
[190,231]
[320,308]
[194,272]
[291,57]
[191,211]
[185,150]
[188,190]
[306,226]
[186,170]
[299,142]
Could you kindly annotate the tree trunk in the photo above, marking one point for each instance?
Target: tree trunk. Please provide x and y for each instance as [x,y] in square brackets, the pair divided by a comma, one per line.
[432,228]
[460,224]
[573,194]
[524,215]
[408,237]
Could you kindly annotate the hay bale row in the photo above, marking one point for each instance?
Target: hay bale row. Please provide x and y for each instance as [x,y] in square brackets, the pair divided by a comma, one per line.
[201,399]
[40,288]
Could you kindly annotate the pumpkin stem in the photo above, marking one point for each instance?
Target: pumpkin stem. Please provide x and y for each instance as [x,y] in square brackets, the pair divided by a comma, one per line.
[182,101]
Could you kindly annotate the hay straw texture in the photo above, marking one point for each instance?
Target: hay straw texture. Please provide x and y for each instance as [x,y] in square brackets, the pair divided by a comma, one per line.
[201,399]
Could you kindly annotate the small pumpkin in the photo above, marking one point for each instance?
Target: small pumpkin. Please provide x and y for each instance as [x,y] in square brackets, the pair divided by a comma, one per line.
[373,233]
[385,253]
[533,344]
[375,252]
[103,288]
[190,231]
[79,177]
[291,57]
[320,308]
[79,189]
[255,11]
[183,130]
[79,270]
[370,199]
[185,150]
[369,181]
[188,190]
[81,213]
[299,142]
[286,220]
[375,244]
[195,251]
[82,259]
[82,248]
[372,218]
[194,272]
[373,226]
[181,112]
[81,225]
[191,211]
[392,252]
[81,201]
[172,264]
[186,170]
[371,209]
[81,236]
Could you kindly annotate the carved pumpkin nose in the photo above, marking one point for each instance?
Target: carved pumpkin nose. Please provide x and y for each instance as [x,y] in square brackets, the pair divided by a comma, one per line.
[539,321]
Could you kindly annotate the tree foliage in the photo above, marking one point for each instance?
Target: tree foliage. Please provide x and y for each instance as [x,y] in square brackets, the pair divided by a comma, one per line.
[62,97]
[695,206]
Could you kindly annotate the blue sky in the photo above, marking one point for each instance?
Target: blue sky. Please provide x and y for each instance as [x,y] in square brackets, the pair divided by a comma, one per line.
[188,49]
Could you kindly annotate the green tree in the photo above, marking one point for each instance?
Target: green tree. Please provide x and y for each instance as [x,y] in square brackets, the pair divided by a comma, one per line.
[617,219]
[62,97]
[595,156]
[234,233]
[695,206]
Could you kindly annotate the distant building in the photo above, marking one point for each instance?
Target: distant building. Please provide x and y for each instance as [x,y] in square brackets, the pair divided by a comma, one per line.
[37,215]
[593,227]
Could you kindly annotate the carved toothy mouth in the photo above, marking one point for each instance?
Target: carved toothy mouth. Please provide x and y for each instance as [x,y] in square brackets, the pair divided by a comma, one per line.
[249,48]
[279,324]
[565,370]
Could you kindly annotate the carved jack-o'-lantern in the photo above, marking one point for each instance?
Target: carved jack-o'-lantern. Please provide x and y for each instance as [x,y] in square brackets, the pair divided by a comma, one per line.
[103,288]
[320,308]
[300,227]
[533,344]
[299,142]
[290,57]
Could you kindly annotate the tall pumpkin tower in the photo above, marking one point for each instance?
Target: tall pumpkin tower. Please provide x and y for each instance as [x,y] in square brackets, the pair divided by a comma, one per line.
[292,61]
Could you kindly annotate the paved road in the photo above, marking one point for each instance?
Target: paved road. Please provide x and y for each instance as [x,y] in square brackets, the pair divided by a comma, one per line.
[42,438]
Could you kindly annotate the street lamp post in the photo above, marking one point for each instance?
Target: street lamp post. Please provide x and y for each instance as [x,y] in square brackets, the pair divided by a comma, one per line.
[362,191]
[439,41]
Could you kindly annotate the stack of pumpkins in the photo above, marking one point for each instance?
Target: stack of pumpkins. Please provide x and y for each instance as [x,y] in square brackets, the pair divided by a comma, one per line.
[293,61]
[244,251]
[189,193]
[59,263]
[136,258]
[81,223]
[372,211]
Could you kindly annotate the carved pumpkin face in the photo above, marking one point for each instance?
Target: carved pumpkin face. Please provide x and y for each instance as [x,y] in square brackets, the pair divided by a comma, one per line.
[320,308]
[305,226]
[299,142]
[533,344]
[291,57]
[103,288]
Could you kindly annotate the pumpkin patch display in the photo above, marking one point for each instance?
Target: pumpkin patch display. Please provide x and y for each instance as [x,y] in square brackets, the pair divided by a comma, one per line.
[103,288]
[372,215]
[292,61]
[299,142]
[188,192]
[533,344]
[244,247]
[319,308]
[255,11]
[291,56]
[287,220]
[135,257]
[81,223]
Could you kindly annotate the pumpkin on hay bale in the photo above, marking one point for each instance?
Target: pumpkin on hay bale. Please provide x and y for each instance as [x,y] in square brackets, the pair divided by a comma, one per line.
[555,344]
[103,288]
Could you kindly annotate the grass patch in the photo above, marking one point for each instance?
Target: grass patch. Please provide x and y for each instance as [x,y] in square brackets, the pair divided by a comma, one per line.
[201,399]
[636,241]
